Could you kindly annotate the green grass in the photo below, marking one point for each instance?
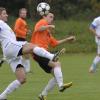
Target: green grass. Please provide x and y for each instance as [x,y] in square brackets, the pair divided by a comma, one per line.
[75,67]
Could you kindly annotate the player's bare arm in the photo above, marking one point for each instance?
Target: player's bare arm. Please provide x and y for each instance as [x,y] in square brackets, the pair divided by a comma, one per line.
[70,38]
[43,28]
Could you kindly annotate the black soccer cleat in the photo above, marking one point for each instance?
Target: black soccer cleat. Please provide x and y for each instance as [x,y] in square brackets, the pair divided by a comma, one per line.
[57,54]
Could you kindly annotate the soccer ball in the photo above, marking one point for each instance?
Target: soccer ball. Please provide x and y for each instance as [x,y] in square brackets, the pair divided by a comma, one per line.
[43,8]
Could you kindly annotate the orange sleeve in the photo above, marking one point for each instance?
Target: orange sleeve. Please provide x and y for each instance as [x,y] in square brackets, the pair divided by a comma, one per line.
[17,28]
[39,24]
[53,41]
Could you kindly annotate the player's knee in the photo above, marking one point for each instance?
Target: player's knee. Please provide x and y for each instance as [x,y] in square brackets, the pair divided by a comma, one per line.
[57,64]
[32,46]
[27,48]
[22,80]
[54,64]
[20,73]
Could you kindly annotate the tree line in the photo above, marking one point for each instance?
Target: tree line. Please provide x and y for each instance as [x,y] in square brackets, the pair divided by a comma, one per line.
[62,8]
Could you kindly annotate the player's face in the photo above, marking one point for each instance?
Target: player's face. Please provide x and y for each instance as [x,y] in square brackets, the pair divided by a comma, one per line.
[50,18]
[23,14]
[4,16]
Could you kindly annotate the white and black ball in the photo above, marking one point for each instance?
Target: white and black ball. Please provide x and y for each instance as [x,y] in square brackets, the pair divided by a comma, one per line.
[43,8]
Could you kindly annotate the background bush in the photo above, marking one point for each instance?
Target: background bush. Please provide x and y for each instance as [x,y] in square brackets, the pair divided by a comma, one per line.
[84,38]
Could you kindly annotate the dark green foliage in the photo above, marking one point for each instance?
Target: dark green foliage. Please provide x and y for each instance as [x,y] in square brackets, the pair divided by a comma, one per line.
[62,8]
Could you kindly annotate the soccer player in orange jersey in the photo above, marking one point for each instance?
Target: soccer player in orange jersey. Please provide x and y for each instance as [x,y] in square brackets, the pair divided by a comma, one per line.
[21,29]
[42,37]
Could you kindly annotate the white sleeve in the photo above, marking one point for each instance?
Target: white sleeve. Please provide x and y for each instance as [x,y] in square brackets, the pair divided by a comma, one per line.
[95,22]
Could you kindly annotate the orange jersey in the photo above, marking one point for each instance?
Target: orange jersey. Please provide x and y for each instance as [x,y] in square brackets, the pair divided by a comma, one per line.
[20,28]
[43,38]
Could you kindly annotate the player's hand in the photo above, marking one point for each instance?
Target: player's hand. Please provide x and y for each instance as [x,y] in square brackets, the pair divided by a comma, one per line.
[71,38]
[52,26]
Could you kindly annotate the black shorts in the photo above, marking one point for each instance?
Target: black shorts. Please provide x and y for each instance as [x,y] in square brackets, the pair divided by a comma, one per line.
[20,39]
[43,63]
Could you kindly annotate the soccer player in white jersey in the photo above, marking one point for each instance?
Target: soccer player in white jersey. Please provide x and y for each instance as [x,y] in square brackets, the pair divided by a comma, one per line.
[13,51]
[95,28]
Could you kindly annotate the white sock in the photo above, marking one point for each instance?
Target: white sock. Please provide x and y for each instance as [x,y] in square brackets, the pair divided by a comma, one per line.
[28,65]
[11,87]
[43,53]
[52,82]
[58,75]
[95,62]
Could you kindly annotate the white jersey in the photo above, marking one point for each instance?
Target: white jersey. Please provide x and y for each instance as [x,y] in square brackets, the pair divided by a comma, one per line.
[6,34]
[96,25]
[8,41]
[11,47]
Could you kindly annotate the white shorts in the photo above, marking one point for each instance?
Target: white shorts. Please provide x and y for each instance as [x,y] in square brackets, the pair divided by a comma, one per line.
[19,60]
[12,49]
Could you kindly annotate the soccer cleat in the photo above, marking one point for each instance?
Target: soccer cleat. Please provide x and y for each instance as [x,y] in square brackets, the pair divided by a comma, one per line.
[56,56]
[3,97]
[65,86]
[1,62]
[42,97]
[93,68]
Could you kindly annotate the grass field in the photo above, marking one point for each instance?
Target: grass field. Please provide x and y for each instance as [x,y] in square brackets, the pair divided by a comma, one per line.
[75,67]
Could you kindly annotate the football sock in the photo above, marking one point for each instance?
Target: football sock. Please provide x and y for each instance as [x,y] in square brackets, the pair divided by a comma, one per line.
[49,86]
[95,62]
[11,87]
[58,75]
[43,53]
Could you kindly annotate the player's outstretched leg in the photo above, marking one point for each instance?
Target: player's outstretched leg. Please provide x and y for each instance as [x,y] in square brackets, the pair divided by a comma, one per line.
[30,48]
[21,79]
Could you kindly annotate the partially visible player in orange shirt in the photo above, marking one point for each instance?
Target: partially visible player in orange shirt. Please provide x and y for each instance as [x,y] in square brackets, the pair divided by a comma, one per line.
[21,28]
[42,36]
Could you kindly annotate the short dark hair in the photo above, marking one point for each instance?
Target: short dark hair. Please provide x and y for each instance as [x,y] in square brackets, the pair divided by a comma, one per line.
[2,9]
